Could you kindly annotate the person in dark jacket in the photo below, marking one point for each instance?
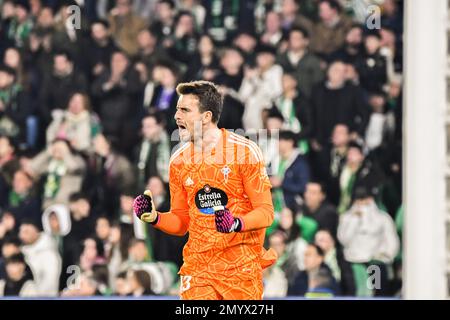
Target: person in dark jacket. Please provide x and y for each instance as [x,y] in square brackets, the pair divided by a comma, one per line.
[58,86]
[336,101]
[290,172]
[317,207]
[314,263]
[118,91]
[300,61]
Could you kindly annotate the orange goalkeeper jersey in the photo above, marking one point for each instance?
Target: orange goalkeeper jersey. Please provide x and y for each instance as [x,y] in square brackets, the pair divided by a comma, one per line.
[232,175]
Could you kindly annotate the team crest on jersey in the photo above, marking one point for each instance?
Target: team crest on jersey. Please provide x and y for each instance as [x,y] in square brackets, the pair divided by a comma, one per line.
[225,171]
[207,197]
[188,182]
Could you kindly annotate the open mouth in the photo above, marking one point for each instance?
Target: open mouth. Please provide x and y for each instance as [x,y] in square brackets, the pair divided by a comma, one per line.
[181,127]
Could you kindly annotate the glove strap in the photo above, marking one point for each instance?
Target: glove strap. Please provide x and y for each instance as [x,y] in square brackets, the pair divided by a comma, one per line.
[155,222]
[237,225]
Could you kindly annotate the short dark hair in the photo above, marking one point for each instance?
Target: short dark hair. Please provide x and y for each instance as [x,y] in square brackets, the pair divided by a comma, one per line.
[15,258]
[288,135]
[170,3]
[300,29]
[64,53]
[319,250]
[208,95]
[158,116]
[103,22]
[74,197]
[333,5]
[11,240]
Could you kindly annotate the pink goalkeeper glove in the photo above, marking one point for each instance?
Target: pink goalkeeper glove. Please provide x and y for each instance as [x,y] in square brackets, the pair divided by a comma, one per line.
[225,222]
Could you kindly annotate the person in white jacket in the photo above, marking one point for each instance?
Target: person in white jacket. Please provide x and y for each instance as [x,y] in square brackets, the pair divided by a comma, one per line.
[369,238]
[41,254]
[260,87]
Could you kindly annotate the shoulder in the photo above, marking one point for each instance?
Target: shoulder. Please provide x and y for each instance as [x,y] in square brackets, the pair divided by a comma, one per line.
[247,147]
[177,156]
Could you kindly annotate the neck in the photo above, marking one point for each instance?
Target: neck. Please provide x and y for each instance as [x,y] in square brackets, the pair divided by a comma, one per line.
[313,207]
[290,93]
[210,137]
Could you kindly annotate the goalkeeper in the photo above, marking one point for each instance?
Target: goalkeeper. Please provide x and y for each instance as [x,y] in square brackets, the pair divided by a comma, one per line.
[220,194]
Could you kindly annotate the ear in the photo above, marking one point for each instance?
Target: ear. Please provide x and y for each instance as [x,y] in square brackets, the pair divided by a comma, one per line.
[206,117]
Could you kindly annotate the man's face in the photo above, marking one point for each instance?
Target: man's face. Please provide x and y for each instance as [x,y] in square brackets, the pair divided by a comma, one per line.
[340,135]
[80,207]
[277,243]
[336,73]
[297,41]
[146,39]
[5,147]
[21,183]
[354,36]
[313,195]
[6,79]
[126,203]
[99,32]
[150,128]
[28,234]
[45,18]
[15,270]
[9,249]
[326,13]
[54,223]
[155,185]
[138,252]
[189,118]
[102,228]
[61,64]
[324,240]
[312,258]
[273,22]
[289,7]
[265,60]
[355,156]
[124,7]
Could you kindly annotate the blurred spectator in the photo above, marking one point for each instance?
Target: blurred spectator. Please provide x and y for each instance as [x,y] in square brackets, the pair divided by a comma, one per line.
[372,67]
[369,238]
[273,34]
[182,44]
[117,90]
[23,202]
[102,233]
[18,281]
[318,208]
[335,101]
[92,253]
[56,221]
[125,26]
[330,31]
[261,85]
[381,124]
[164,97]
[359,170]
[163,24]
[42,255]
[314,263]
[153,153]
[149,54]
[100,49]
[10,245]
[121,285]
[229,81]
[119,238]
[61,169]
[204,65]
[352,49]
[331,159]
[291,172]
[165,247]
[109,174]
[196,9]
[84,286]
[7,16]
[247,43]
[59,84]
[77,124]
[300,61]
[14,105]
[296,111]
[225,18]
[13,59]
[291,16]
[275,282]
[139,283]
[8,225]
[145,8]
[9,164]
[21,24]
[334,258]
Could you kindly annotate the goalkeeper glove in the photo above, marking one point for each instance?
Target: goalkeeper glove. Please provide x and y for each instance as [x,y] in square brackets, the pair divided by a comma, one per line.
[225,222]
[144,208]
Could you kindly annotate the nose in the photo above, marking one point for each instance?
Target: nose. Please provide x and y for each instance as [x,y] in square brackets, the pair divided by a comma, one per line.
[177,115]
